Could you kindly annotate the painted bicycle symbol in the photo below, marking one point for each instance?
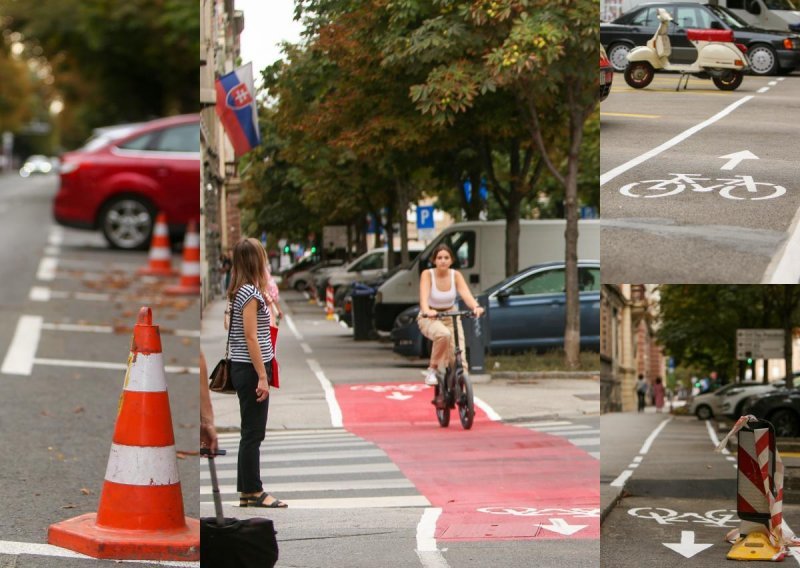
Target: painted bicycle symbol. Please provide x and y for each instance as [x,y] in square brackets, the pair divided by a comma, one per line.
[730,188]
[390,388]
[721,518]
[580,513]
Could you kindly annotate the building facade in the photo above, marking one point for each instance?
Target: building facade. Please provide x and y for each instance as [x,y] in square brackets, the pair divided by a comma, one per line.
[220,28]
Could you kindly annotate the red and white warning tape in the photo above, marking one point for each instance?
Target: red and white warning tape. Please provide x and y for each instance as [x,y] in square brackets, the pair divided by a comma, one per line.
[780,535]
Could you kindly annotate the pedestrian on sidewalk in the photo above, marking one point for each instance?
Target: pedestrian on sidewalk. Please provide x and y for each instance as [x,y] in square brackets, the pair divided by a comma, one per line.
[438,288]
[251,354]
[641,392]
[225,266]
[658,394]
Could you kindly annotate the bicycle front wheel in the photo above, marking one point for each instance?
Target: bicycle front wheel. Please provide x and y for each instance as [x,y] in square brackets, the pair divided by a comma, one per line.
[466,403]
[442,410]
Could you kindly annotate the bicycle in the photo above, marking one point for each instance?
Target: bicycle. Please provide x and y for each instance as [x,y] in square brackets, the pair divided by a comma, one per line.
[455,388]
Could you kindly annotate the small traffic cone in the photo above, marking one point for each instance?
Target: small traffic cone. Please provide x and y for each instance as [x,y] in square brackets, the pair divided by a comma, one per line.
[189,284]
[329,303]
[140,516]
[159,260]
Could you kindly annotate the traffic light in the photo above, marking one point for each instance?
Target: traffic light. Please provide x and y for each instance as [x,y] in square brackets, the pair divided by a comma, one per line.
[313,250]
[749,356]
[286,249]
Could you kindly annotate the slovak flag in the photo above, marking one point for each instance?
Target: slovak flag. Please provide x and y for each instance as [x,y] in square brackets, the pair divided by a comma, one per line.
[236,108]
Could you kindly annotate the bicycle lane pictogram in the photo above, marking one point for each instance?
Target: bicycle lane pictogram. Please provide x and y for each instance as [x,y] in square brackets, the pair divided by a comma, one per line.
[493,482]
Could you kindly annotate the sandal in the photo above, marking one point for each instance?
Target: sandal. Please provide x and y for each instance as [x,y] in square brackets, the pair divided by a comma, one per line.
[259,502]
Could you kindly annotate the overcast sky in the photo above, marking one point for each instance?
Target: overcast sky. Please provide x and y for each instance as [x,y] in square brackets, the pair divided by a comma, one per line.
[266,24]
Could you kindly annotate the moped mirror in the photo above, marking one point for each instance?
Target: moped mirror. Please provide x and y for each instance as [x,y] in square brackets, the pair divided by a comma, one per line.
[754,7]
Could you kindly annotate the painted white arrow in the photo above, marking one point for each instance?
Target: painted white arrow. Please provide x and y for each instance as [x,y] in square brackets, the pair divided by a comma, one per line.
[736,157]
[561,526]
[399,396]
[687,547]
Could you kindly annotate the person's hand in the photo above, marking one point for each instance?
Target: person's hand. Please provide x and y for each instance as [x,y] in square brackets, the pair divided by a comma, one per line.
[208,435]
[477,311]
[262,389]
[431,314]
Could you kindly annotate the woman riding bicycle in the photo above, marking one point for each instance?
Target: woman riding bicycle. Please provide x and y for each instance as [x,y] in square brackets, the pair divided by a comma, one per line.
[438,288]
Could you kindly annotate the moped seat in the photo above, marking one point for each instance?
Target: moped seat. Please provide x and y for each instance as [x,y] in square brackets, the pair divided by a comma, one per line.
[710,35]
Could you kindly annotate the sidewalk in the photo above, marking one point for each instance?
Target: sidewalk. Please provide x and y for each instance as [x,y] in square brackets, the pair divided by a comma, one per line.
[300,402]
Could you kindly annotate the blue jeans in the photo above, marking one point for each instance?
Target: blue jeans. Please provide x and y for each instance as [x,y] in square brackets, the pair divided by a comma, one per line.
[254,425]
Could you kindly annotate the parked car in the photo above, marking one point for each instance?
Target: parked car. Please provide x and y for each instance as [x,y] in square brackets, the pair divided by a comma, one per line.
[300,279]
[121,179]
[36,164]
[729,399]
[526,311]
[781,408]
[606,75]
[367,266]
[770,52]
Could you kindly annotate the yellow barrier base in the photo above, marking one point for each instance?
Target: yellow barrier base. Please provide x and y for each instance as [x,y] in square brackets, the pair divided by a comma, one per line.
[755,546]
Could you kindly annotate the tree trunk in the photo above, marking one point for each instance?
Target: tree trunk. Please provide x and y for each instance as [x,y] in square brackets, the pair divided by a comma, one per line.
[402,207]
[572,328]
[512,231]
[788,307]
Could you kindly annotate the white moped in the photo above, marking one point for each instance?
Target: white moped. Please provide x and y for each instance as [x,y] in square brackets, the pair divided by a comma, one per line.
[718,57]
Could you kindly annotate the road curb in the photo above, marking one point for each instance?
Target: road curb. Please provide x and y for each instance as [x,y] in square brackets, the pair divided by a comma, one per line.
[538,375]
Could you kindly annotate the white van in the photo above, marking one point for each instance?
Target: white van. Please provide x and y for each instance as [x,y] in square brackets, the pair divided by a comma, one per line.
[369,265]
[480,251]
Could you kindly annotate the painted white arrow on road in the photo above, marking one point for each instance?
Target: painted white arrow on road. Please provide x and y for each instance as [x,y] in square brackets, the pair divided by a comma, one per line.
[687,546]
[561,526]
[736,157]
[399,396]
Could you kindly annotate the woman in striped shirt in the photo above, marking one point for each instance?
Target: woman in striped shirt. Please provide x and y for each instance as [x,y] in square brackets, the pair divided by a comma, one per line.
[251,354]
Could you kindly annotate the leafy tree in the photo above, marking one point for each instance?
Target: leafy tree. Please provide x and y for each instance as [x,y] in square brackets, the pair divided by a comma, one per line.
[15,89]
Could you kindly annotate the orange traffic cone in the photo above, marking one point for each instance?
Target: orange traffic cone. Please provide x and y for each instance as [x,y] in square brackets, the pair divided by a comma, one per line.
[160,252]
[190,268]
[140,516]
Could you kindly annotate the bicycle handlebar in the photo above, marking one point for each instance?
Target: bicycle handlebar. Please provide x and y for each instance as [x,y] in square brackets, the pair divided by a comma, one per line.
[442,315]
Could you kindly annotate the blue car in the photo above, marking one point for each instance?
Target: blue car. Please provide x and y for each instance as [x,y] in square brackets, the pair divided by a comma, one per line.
[526,311]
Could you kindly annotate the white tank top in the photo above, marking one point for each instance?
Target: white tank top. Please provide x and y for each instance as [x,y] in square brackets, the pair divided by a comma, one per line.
[440,300]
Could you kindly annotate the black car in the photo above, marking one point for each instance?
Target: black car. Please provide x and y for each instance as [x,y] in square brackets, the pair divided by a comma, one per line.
[781,407]
[770,52]
[526,311]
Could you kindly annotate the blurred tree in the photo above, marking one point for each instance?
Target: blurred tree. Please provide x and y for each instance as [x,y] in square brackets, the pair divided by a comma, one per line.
[114,60]
[15,89]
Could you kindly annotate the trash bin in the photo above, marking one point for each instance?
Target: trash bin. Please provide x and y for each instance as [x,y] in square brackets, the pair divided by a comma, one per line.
[363,302]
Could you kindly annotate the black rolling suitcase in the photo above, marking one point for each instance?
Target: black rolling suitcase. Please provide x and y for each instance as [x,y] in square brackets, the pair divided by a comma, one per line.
[231,543]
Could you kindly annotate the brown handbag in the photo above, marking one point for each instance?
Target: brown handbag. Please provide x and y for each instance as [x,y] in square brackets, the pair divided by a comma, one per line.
[220,380]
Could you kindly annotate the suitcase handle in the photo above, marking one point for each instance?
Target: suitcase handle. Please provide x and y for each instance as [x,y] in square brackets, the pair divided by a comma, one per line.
[214,483]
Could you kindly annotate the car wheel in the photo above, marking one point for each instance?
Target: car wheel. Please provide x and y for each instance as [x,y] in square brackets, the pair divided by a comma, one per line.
[762,60]
[127,223]
[300,285]
[639,74]
[618,55]
[703,412]
[785,422]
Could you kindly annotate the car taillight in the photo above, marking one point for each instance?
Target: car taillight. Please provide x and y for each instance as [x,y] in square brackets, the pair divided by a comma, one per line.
[791,43]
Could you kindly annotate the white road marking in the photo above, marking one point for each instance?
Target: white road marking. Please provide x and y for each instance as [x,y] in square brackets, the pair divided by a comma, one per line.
[56,236]
[92,297]
[427,551]
[651,438]
[39,294]
[346,503]
[110,366]
[561,526]
[296,333]
[687,547]
[47,268]
[487,409]
[306,348]
[51,251]
[330,396]
[36,549]
[785,266]
[763,90]
[772,83]
[736,157]
[638,459]
[313,470]
[322,486]
[619,170]
[622,478]
[20,356]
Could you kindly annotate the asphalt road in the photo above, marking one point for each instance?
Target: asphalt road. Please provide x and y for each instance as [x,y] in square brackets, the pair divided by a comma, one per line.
[359,494]
[679,500]
[692,229]
[60,385]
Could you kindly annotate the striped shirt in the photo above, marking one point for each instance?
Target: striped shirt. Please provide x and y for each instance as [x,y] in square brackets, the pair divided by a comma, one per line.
[238,348]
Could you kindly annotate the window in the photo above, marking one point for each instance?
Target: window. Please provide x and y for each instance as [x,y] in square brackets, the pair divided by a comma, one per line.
[139,143]
[646,17]
[371,262]
[183,138]
[547,282]
[588,279]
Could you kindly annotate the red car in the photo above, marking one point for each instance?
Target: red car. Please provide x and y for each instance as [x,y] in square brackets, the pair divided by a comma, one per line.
[120,180]
[606,75]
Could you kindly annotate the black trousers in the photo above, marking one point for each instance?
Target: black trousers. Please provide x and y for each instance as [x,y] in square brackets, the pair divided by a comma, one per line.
[641,400]
[254,425]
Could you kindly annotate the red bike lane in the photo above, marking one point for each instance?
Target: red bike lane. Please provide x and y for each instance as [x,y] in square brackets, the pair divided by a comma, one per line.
[493,482]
